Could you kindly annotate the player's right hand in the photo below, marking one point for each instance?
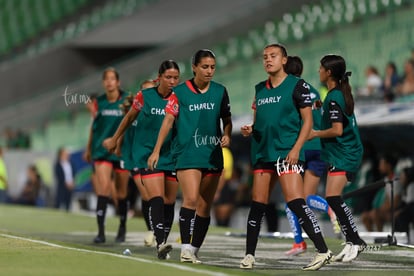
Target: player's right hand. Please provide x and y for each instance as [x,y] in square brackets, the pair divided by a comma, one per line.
[153,161]
[87,155]
[109,144]
[246,130]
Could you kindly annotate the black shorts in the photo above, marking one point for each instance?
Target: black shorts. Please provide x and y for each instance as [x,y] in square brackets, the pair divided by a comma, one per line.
[169,175]
[207,171]
[350,176]
[280,167]
[117,166]
[135,172]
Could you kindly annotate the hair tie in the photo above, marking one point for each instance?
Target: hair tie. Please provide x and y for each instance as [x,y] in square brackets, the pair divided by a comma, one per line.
[346,75]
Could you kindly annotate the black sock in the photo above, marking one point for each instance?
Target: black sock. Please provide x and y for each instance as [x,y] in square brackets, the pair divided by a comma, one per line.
[145,213]
[345,219]
[309,223]
[254,222]
[200,230]
[186,221]
[168,218]
[272,218]
[157,218]
[101,205]
[122,211]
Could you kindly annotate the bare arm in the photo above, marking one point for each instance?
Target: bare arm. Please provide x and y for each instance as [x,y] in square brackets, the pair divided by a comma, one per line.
[306,114]
[220,186]
[111,143]
[335,131]
[165,129]
[227,129]
[247,130]
[87,153]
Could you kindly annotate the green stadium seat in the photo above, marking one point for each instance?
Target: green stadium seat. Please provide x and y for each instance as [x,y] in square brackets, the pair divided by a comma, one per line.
[256,36]
[35,16]
[22,20]
[247,49]
[282,33]
[82,25]
[95,18]
[221,57]
[55,9]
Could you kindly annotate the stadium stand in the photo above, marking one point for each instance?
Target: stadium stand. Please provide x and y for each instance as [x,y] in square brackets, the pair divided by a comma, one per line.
[362,31]
[52,22]
[24,20]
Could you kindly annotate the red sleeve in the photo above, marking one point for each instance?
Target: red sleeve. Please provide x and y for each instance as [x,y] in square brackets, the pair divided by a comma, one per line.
[172,106]
[254,104]
[95,108]
[138,102]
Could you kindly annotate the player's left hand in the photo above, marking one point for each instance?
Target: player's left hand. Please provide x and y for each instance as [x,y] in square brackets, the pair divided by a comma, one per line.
[293,157]
[225,141]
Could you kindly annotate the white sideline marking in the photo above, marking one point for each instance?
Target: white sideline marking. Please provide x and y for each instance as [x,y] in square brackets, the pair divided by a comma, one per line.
[181,267]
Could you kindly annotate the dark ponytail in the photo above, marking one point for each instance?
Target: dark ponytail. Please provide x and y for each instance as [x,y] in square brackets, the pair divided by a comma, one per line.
[167,64]
[294,66]
[200,54]
[336,64]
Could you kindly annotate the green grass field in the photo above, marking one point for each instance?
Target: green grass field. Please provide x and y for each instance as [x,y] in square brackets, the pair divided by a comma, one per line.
[50,242]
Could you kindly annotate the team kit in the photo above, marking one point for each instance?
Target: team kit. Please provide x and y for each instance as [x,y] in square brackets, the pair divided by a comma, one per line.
[170,135]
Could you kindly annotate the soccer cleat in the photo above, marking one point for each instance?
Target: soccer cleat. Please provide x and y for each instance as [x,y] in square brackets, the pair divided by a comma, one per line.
[99,239]
[349,253]
[163,250]
[247,262]
[149,239]
[318,261]
[196,260]
[345,251]
[120,237]
[187,256]
[297,248]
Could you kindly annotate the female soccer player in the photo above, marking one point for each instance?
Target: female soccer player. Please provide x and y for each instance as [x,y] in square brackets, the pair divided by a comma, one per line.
[160,185]
[282,122]
[149,239]
[341,148]
[108,116]
[196,109]
[124,149]
[314,166]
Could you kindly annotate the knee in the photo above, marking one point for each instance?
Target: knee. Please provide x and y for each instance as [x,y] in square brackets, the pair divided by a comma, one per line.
[260,199]
[169,201]
[190,203]
[121,194]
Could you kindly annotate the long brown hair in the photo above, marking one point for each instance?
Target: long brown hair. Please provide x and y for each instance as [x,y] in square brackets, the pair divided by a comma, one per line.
[336,64]
[110,69]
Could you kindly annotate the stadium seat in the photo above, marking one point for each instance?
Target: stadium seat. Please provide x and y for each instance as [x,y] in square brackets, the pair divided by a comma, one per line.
[23,20]
[221,57]
[308,32]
